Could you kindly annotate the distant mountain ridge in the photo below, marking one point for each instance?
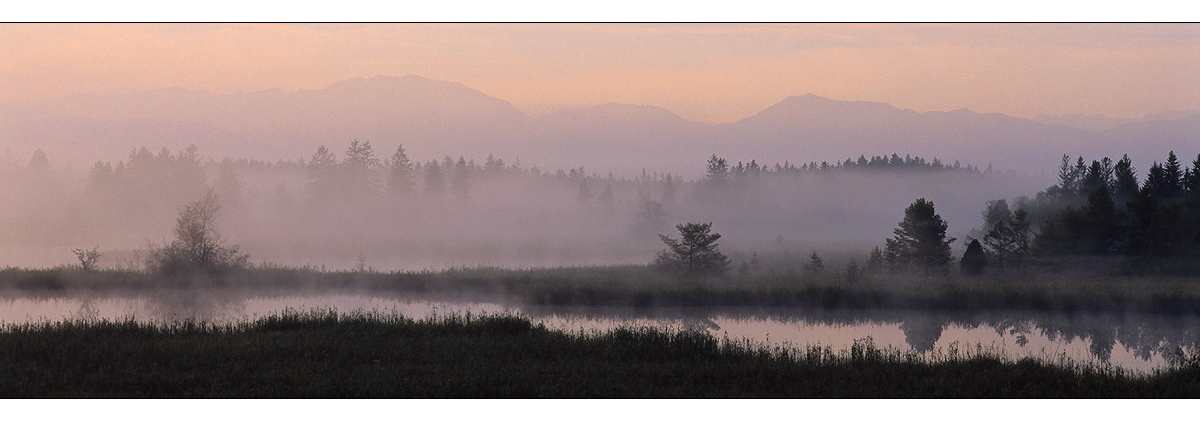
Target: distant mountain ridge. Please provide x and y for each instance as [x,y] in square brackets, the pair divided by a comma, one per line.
[1100,123]
[433,118]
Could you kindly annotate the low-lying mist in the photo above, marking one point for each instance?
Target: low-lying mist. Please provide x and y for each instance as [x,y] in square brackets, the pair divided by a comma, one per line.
[361,210]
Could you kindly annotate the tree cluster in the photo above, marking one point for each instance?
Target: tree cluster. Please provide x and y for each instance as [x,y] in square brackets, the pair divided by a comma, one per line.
[1104,211]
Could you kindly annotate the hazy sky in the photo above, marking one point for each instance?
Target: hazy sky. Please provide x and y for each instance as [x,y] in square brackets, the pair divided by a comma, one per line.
[703,72]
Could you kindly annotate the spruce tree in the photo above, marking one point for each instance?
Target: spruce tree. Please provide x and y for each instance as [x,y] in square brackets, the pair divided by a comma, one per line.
[974,259]
[400,173]
[1173,177]
[435,182]
[717,172]
[1125,181]
[1101,232]
[815,265]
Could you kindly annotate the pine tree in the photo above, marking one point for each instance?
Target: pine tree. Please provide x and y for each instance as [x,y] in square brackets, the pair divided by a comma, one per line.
[1093,177]
[875,262]
[1102,227]
[1156,183]
[668,193]
[1021,236]
[1173,175]
[651,220]
[1068,177]
[400,170]
[585,192]
[1125,184]
[996,211]
[920,238]
[493,166]
[322,175]
[717,172]
[229,188]
[606,197]
[461,184]
[435,182]
[1000,242]
[1192,184]
[815,265]
[695,253]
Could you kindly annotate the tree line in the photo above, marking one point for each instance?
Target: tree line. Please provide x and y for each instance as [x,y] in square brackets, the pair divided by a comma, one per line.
[1097,209]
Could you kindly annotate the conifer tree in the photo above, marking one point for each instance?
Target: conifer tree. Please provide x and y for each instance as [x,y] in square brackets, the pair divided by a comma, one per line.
[1125,181]
[695,253]
[435,182]
[606,197]
[974,259]
[920,238]
[717,172]
[400,173]
[322,175]
[461,184]
[585,192]
[1172,178]
[815,265]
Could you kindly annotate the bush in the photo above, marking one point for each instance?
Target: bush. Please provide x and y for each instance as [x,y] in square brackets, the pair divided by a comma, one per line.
[87,257]
[198,247]
[974,259]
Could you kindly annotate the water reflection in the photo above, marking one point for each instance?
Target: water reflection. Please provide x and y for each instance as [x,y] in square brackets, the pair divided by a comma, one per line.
[1136,341]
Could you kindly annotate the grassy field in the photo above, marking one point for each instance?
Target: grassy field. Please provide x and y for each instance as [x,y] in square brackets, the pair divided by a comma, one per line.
[1045,289]
[323,354]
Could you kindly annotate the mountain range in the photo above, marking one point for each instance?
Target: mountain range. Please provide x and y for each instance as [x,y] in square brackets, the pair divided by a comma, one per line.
[434,118]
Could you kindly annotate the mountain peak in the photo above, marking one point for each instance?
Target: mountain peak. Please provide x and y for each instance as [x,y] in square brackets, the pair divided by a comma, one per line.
[806,98]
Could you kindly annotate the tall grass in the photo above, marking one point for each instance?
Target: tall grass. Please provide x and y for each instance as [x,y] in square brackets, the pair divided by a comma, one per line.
[642,286]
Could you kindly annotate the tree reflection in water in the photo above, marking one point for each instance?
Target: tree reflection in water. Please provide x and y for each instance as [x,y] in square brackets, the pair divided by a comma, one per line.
[1141,335]
[921,332]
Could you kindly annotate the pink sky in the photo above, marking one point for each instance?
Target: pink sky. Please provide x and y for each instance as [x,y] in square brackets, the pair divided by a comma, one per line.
[703,72]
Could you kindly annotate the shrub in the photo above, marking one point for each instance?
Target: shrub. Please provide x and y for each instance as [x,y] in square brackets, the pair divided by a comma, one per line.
[198,247]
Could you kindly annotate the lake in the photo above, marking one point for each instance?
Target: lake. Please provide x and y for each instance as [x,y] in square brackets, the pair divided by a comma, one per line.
[1139,342]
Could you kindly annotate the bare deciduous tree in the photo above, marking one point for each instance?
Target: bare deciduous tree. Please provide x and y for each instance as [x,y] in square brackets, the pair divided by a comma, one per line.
[198,247]
[87,257]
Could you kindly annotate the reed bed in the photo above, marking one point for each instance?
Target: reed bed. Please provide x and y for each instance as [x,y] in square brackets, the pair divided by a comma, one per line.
[642,286]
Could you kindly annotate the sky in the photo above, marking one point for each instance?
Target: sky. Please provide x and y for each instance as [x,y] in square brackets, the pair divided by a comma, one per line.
[703,72]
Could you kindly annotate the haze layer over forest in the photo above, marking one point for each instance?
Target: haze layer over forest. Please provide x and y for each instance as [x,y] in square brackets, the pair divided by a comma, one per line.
[316,177]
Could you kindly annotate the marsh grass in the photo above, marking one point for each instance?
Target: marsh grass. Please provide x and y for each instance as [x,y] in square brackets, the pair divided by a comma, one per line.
[643,286]
[321,354]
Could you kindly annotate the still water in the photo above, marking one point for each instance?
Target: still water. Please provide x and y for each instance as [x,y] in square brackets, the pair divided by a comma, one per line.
[1135,341]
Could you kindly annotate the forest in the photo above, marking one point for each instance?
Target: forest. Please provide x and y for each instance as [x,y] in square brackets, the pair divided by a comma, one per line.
[397,212]
[363,210]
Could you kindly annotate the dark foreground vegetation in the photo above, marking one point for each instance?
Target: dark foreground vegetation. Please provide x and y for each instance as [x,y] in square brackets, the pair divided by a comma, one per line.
[325,355]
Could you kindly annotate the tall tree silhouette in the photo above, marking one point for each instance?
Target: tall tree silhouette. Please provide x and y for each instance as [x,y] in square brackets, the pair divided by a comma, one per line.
[920,239]
[400,170]
[696,251]
[435,181]
[974,259]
